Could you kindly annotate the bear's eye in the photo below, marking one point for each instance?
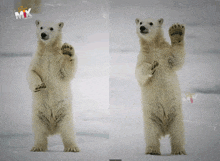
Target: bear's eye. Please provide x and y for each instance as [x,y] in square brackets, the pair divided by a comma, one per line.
[151,23]
[41,28]
[51,29]
[140,23]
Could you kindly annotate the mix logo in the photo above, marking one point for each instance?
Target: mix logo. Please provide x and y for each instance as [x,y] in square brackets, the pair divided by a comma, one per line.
[189,97]
[23,13]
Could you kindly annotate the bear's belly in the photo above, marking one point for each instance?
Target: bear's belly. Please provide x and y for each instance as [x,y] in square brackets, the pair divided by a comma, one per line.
[162,95]
[163,120]
[52,115]
[51,95]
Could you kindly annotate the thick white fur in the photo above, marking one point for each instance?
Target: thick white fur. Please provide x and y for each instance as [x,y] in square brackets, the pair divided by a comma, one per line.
[52,106]
[161,94]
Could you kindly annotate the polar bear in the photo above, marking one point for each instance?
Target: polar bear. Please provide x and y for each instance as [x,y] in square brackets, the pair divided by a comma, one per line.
[50,73]
[155,72]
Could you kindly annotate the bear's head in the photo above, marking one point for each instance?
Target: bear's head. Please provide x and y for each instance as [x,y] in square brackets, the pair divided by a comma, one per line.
[148,29]
[48,32]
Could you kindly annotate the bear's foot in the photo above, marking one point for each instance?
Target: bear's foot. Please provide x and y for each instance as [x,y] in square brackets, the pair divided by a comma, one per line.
[176,33]
[38,149]
[152,150]
[71,149]
[178,152]
[39,87]
[67,49]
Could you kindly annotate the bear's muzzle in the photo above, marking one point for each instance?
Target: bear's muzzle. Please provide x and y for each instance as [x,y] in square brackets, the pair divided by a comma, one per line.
[44,36]
[144,30]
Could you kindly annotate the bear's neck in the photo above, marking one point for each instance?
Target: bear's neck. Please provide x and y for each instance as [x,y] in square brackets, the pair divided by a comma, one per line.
[156,43]
[54,47]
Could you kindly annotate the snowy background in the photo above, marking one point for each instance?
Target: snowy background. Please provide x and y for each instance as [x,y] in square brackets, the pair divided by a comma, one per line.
[106,96]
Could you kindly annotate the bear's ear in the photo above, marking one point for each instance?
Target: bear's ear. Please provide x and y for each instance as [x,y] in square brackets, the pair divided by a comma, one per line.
[61,24]
[37,22]
[160,21]
[137,20]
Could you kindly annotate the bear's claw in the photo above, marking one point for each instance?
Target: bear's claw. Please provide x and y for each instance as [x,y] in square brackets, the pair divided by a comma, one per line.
[154,65]
[183,152]
[38,149]
[153,68]
[37,89]
[72,149]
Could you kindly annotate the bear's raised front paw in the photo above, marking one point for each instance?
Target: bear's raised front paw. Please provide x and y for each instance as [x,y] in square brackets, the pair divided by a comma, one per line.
[154,65]
[67,49]
[38,149]
[176,33]
[39,87]
[72,149]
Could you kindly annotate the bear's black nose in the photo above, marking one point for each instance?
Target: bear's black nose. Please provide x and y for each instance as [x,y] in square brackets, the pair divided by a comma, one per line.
[43,35]
[142,28]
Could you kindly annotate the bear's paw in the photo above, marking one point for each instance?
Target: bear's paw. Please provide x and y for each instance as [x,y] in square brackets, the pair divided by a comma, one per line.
[177,32]
[67,49]
[71,149]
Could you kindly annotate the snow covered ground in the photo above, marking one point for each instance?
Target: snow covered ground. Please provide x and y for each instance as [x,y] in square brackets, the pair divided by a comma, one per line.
[106,96]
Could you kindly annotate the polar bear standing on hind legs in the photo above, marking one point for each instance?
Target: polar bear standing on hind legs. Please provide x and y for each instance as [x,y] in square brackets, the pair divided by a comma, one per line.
[155,72]
[50,73]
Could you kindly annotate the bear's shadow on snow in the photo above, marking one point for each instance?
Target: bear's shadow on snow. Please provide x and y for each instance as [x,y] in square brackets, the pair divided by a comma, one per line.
[14,135]
[212,51]
[106,136]
[161,155]
[213,90]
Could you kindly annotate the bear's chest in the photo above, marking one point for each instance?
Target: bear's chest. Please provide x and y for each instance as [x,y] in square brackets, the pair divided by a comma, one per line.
[159,55]
[48,66]
[156,55]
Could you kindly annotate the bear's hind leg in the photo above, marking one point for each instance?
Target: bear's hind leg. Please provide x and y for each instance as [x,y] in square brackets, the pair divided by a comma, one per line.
[68,135]
[152,136]
[40,135]
[177,138]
